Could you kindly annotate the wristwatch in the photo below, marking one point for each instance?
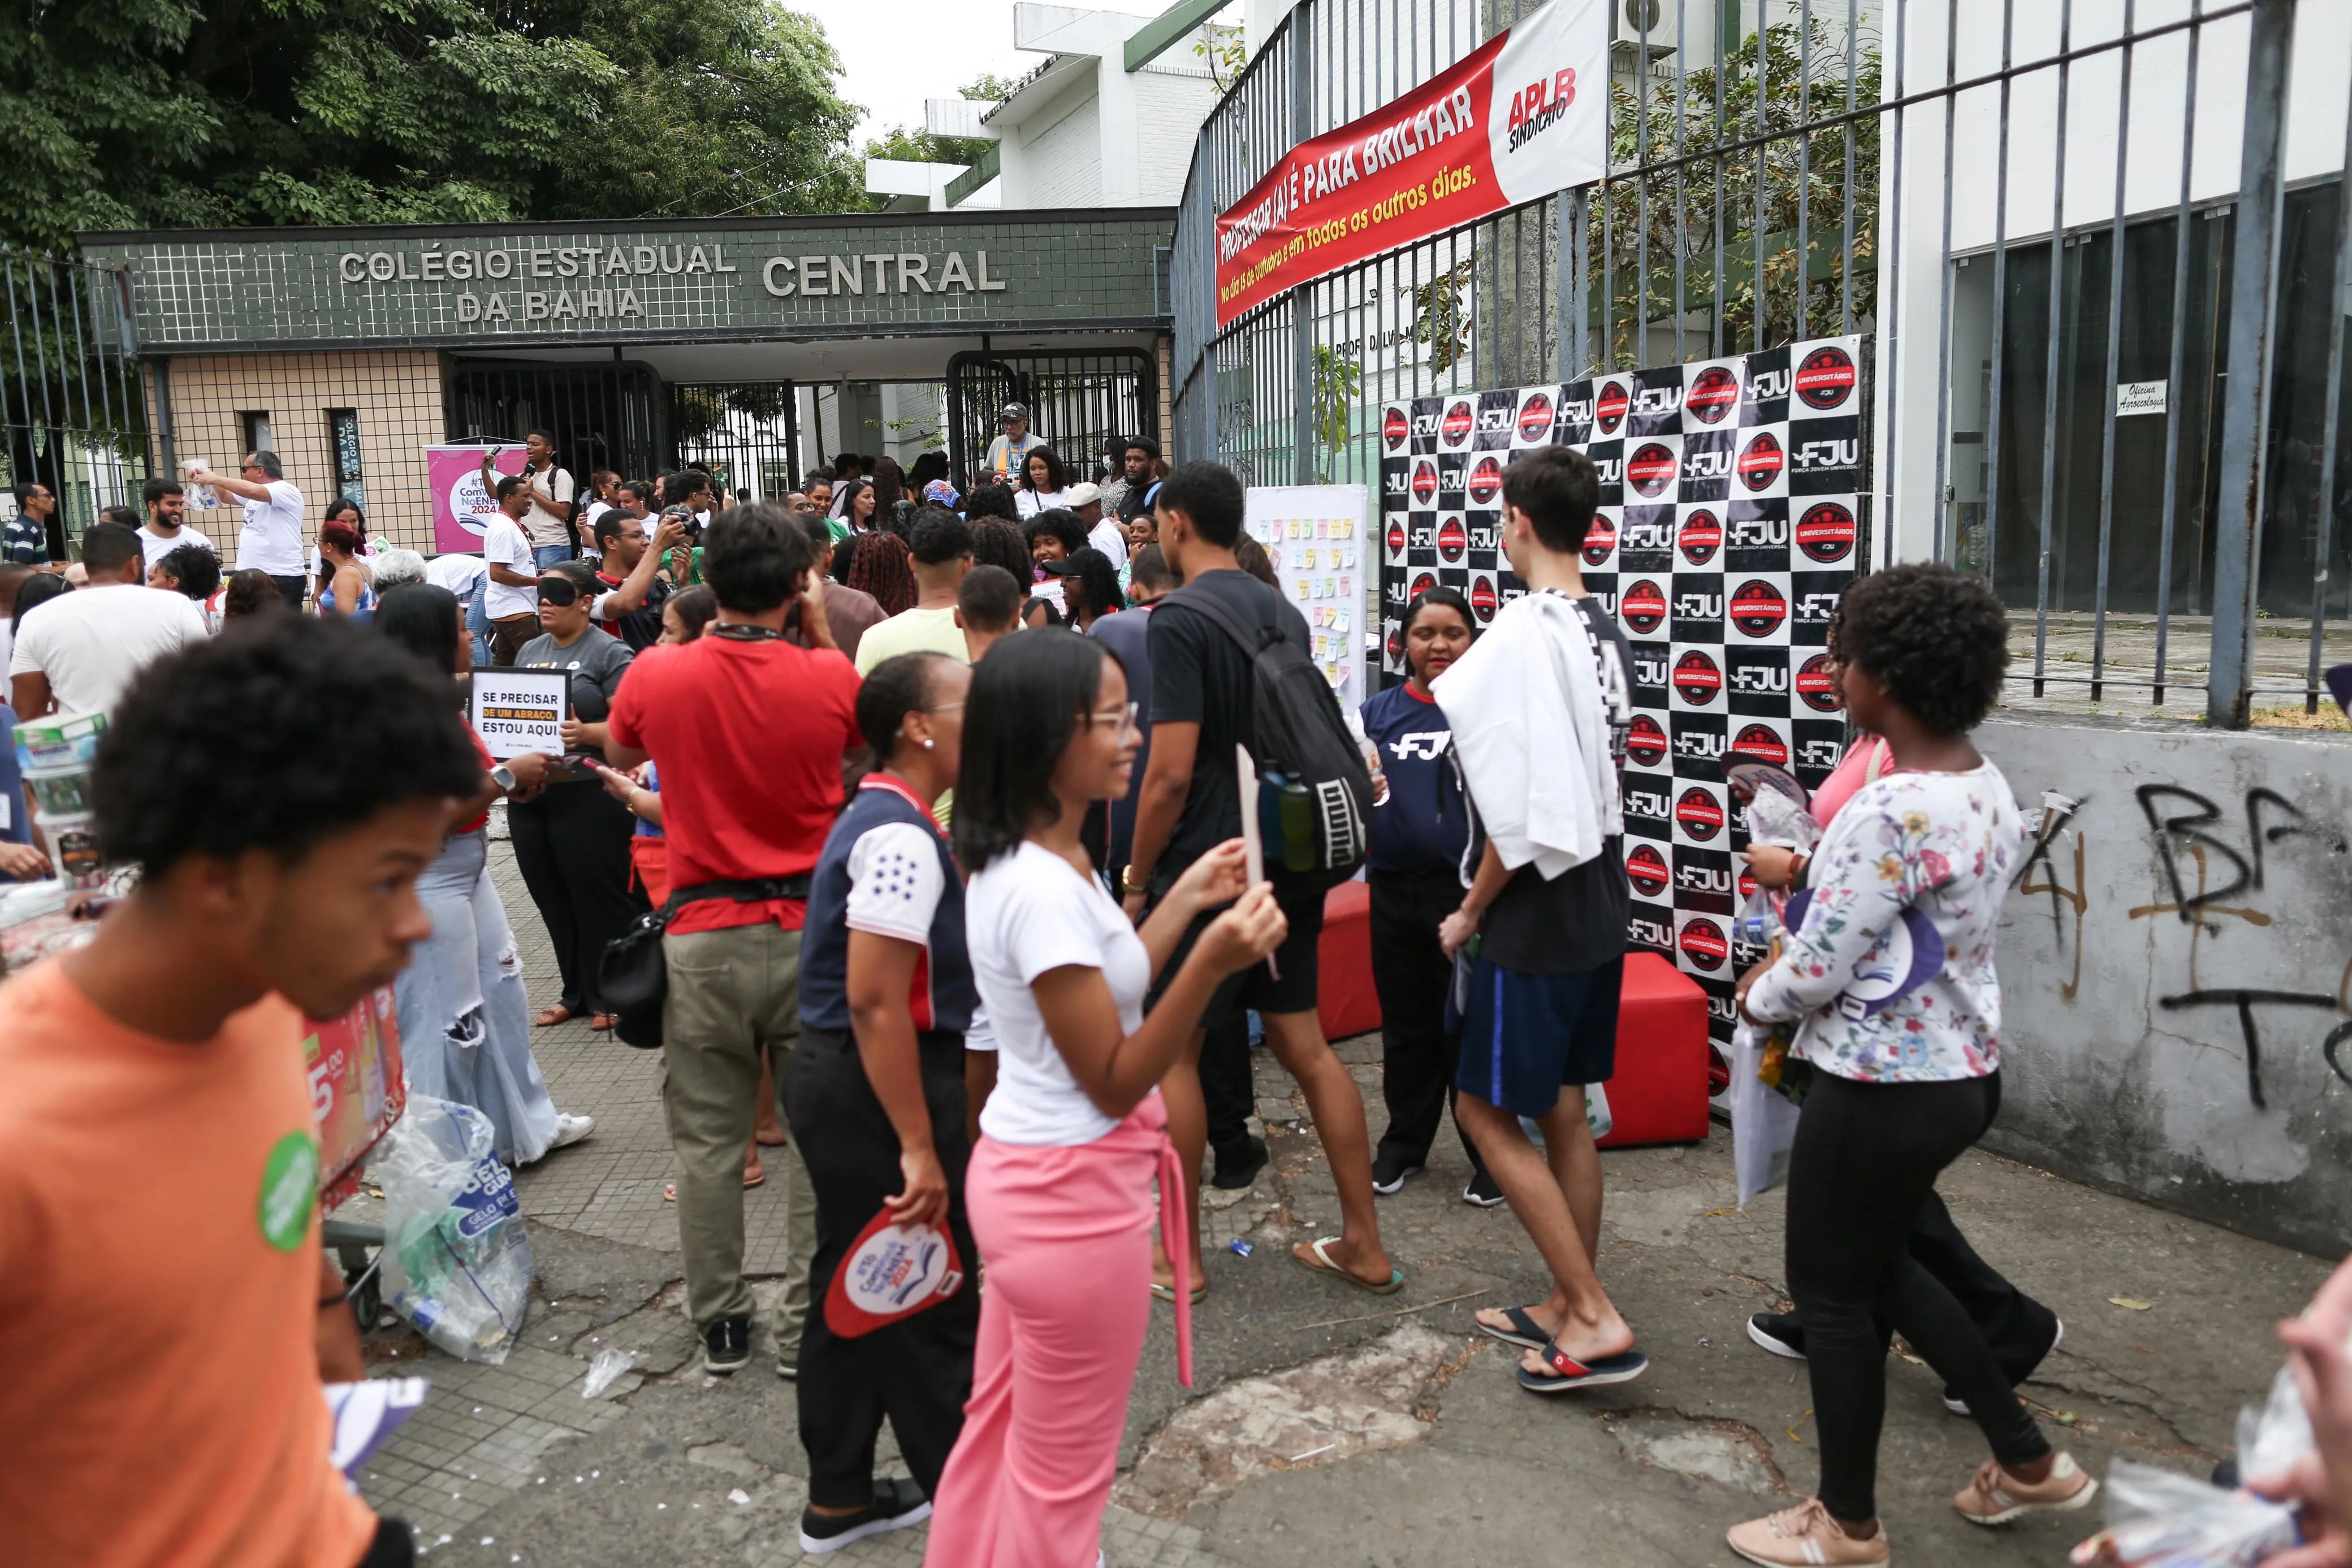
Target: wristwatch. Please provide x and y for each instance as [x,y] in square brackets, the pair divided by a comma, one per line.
[503,777]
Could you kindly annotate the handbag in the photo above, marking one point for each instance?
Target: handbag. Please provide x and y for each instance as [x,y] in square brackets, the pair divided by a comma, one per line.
[634,975]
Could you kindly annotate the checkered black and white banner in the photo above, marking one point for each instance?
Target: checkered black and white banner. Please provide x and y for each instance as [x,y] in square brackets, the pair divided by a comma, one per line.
[1734,510]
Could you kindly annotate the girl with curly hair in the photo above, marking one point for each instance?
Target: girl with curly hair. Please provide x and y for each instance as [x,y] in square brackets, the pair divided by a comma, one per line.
[880,564]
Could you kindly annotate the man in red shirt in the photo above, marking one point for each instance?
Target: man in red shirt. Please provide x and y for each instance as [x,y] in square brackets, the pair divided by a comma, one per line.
[749,732]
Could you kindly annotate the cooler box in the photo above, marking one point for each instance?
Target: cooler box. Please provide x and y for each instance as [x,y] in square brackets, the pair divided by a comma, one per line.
[1344,996]
[1659,1096]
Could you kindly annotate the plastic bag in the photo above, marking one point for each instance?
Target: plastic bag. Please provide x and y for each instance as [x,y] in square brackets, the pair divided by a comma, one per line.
[457,1263]
[1774,819]
[1763,1123]
[2160,1519]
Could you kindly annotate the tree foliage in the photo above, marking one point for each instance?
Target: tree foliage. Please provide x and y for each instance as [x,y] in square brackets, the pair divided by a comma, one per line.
[914,144]
[168,113]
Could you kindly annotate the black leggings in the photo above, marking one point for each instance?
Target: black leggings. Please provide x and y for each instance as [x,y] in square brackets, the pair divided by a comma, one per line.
[572,845]
[917,1371]
[1866,1158]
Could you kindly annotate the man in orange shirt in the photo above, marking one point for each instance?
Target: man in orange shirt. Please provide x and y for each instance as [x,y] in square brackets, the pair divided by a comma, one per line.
[161,1341]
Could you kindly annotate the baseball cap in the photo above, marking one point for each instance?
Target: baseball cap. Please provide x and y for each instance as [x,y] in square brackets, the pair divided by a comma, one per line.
[1082,496]
[1013,410]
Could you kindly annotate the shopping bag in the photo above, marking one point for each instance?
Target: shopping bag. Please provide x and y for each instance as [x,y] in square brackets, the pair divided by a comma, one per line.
[1763,1123]
[456,1261]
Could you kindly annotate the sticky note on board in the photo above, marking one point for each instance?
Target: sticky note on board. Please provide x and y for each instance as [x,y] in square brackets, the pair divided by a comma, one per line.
[1298,529]
[1302,588]
[1342,620]
[1309,562]
[1347,586]
[1350,554]
[1330,587]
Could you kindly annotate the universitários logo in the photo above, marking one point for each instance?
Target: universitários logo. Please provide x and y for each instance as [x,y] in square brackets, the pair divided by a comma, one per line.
[1645,868]
[1825,378]
[1644,606]
[1610,406]
[1714,392]
[1395,430]
[1699,814]
[1534,417]
[1651,469]
[1699,537]
[1759,609]
[1702,942]
[1760,461]
[1825,532]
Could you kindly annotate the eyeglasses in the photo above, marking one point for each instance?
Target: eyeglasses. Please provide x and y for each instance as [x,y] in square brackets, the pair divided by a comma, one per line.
[1120,719]
[943,707]
[558,591]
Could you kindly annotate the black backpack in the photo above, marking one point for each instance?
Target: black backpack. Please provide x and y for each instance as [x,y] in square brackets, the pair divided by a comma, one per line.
[1314,794]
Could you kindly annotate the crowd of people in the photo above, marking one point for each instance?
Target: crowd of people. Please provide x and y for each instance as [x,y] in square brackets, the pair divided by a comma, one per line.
[932,798]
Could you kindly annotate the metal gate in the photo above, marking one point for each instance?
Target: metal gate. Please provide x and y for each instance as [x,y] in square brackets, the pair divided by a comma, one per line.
[1078,402]
[744,434]
[72,406]
[602,416]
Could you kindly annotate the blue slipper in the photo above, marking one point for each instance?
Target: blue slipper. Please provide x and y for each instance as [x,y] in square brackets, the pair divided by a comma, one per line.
[1567,1373]
[1524,1330]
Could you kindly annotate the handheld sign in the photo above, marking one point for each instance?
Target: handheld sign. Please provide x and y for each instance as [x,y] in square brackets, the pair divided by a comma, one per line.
[517,711]
[892,1271]
[1252,831]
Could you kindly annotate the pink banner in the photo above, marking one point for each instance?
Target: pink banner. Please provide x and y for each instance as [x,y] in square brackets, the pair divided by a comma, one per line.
[461,507]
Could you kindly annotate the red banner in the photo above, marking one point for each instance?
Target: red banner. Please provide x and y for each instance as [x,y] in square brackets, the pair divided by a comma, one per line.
[1525,115]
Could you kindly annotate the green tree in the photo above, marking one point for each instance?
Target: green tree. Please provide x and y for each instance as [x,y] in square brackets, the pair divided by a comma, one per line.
[168,113]
[917,145]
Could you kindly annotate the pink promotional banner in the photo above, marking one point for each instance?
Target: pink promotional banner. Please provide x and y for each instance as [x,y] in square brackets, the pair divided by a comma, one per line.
[461,506]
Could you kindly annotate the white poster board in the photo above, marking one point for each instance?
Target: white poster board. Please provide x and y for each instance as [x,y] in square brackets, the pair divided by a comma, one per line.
[521,710]
[1318,538]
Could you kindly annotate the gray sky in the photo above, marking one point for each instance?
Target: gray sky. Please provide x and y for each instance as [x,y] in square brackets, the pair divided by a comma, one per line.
[900,52]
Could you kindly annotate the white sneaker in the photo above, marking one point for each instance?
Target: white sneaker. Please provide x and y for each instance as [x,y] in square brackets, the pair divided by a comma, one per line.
[570,1130]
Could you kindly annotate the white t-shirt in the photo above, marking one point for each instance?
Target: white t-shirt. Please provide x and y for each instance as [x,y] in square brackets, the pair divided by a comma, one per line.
[460,574]
[503,544]
[544,526]
[157,547]
[1107,536]
[271,540]
[1024,914]
[92,642]
[1029,503]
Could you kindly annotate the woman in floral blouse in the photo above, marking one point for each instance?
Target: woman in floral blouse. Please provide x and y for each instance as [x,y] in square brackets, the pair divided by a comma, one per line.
[1888,980]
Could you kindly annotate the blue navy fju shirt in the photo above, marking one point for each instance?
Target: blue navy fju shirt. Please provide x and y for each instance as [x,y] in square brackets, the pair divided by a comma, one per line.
[886,869]
[1423,826]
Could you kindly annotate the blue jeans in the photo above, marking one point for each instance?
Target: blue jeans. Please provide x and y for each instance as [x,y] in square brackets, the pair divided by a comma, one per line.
[548,555]
[477,623]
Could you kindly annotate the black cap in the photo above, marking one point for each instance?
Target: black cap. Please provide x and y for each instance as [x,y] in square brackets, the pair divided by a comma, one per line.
[1013,410]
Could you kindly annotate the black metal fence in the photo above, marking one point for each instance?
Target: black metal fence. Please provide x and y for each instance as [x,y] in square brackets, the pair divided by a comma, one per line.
[2120,400]
[1078,402]
[73,407]
[602,416]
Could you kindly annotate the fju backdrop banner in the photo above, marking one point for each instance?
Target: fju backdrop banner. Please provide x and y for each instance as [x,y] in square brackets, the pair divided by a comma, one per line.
[1734,511]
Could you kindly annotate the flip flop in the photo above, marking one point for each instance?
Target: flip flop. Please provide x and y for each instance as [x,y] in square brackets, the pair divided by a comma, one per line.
[1568,1373]
[1167,1292]
[1524,1330]
[1324,1265]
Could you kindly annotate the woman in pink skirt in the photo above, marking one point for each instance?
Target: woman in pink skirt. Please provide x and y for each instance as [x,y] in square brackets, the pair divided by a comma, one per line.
[1059,1190]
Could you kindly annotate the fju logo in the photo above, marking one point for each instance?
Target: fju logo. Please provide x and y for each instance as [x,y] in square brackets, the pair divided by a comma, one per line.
[1817,684]
[1714,392]
[1697,679]
[1610,406]
[1825,533]
[1699,814]
[1825,378]
[1757,608]
[1702,942]
[1759,463]
[1459,420]
[1599,540]
[1395,430]
[1485,482]
[1699,537]
[1644,606]
[1645,868]
[1452,541]
[1651,469]
[1645,743]
[1534,417]
[1424,482]
[1759,743]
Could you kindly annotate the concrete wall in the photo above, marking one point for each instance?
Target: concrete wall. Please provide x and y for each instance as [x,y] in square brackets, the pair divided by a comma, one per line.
[1061,160]
[2176,967]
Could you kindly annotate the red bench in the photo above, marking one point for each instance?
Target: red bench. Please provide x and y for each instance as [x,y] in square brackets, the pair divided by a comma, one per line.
[1659,1096]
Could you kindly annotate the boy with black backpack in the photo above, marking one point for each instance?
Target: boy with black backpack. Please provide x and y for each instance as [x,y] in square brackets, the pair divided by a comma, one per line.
[1230,667]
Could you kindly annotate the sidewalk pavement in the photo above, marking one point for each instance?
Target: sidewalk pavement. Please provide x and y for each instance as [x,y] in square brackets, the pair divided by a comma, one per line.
[1330,1428]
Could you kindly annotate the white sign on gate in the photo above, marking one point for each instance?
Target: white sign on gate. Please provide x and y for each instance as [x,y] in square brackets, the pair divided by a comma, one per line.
[1317,537]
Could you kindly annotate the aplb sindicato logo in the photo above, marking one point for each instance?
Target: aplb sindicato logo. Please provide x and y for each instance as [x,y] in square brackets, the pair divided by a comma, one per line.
[1547,104]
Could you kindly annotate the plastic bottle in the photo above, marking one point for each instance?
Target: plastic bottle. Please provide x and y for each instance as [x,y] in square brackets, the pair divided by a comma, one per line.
[1757,921]
[1297,827]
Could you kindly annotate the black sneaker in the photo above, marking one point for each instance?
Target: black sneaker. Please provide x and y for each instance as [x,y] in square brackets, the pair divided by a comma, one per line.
[1389,1171]
[1779,1333]
[1482,1192]
[727,1343]
[898,1503]
[1238,1163]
